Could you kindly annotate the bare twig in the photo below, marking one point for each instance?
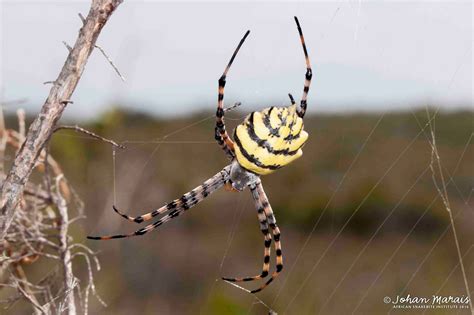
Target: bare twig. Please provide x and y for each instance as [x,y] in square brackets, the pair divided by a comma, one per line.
[69,280]
[90,285]
[47,178]
[110,61]
[39,230]
[21,124]
[90,133]
[31,300]
[43,126]
[67,46]
[23,286]
[2,120]
[82,18]
[3,143]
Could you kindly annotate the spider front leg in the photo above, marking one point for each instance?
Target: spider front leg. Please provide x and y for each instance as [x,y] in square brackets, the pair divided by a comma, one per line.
[221,135]
[262,218]
[309,73]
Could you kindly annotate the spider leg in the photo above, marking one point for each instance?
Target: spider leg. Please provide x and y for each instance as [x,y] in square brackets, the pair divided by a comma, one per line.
[309,73]
[262,218]
[201,192]
[176,207]
[221,135]
[276,235]
[292,100]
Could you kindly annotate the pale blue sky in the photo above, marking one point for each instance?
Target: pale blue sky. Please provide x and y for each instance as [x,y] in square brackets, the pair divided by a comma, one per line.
[366,55]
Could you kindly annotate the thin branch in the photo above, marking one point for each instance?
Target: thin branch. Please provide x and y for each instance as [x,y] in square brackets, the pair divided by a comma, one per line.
[47,178]
[89,133]
[69,279]
[110,61]
[30,299]
[82,18]
[2,120]
[3,142]
[67,46]
[90,286]
[21,124]
[43,126]
[22,287]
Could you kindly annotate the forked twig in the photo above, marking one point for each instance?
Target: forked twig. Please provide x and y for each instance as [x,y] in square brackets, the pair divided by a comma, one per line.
[23,286]
[39,230]
[31,300]
[43,125]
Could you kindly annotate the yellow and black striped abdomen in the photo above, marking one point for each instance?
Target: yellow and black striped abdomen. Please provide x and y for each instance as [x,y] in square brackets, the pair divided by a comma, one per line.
[269,139]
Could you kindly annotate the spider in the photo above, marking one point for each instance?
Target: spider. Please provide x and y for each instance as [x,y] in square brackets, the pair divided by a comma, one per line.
[264,142]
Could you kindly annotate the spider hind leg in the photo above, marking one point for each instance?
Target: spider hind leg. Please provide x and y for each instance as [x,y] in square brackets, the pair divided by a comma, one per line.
[267,221]
[266,255]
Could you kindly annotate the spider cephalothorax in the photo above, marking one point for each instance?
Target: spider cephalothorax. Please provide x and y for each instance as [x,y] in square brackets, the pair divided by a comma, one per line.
[240,178]
[264,142]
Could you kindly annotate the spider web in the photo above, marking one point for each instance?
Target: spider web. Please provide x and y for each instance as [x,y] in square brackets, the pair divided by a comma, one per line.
[424,130]
[292,266]
[241,205]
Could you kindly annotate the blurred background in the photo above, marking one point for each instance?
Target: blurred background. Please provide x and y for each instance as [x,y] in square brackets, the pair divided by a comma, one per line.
[360,216]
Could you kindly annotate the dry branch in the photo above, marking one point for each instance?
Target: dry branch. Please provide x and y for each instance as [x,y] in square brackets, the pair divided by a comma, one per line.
[43,126]
[39,233]
[24,289]
[110,62]
[90,133]
[69,280]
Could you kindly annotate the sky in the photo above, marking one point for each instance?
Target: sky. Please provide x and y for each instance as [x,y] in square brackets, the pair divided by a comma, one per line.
[366,56]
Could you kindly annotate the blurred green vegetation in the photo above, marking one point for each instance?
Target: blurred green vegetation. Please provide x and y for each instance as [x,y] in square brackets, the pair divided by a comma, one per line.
[301,192]
[380,182]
